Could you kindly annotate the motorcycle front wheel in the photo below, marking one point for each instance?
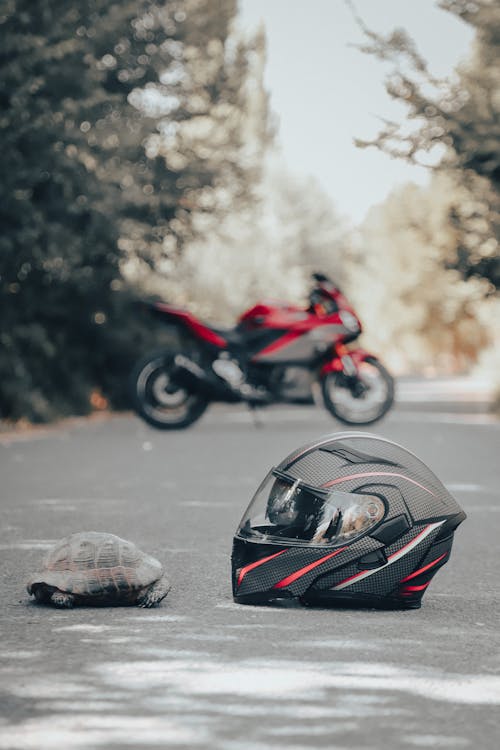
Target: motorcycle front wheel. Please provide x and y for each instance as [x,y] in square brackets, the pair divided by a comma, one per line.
[361,399]
[156,397]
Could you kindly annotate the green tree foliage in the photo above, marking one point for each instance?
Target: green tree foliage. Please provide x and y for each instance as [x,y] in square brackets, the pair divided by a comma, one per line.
[99,165]
[57,248]
[456,126]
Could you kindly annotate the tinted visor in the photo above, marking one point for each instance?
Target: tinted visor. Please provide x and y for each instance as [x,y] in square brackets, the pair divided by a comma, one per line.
[286,510]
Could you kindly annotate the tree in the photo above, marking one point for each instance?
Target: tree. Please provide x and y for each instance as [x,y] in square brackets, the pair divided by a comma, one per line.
[267,250]
[211,127]
[416,311]
[112,121]
[457,127]
[59,264]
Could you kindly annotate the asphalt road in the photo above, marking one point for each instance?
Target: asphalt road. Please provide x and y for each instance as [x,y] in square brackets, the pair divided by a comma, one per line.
[201,671]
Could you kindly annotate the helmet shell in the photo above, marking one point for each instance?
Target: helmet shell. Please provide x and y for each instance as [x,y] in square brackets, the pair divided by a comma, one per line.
[389,565]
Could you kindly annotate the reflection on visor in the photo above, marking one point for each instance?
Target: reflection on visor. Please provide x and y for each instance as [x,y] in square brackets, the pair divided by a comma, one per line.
[362,514]
[286,509]
[288,495]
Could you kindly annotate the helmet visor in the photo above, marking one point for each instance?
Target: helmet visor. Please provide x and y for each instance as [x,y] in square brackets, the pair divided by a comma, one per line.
[286,510]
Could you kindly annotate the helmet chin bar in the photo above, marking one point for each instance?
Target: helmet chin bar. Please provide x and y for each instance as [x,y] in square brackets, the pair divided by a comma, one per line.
[322,582]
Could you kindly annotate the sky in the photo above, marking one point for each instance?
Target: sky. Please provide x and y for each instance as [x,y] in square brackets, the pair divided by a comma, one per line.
[325,92]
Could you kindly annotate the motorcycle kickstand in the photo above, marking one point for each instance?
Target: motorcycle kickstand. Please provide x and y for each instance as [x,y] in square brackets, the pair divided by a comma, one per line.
[257,422]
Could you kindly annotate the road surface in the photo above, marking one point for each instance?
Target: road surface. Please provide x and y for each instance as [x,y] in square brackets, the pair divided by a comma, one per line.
[201,671]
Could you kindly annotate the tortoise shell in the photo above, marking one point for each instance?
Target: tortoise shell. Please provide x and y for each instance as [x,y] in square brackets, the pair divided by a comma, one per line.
[96,564]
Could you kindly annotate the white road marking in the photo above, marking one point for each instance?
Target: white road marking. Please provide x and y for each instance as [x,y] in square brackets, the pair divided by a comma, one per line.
[160,618]
[343,644]
[19,654]
[308,681]
[255,608]
[433,740]
[83,628]
[86,706]
[194,692]
[87,730]
[213,637]
[48,688]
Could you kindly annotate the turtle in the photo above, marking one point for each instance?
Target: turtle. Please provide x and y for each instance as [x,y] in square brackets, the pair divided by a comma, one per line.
[97,568]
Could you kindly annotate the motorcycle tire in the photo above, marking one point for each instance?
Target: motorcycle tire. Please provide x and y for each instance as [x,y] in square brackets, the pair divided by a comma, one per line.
[158,400]
[356,409]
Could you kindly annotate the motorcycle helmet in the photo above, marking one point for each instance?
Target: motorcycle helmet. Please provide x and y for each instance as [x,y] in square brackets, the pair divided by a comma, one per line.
[349,519]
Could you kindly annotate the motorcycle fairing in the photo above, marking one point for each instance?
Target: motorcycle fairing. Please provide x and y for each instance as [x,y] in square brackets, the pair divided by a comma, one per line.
[303,334]
[273,314]
[185,318]
[302,343]
[281,333]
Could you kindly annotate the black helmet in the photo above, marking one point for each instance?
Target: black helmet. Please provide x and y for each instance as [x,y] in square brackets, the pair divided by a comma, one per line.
[349,518]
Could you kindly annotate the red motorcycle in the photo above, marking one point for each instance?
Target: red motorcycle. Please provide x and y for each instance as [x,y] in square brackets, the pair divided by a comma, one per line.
[276,353]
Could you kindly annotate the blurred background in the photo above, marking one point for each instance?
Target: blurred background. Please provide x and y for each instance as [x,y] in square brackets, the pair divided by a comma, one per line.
[213,153]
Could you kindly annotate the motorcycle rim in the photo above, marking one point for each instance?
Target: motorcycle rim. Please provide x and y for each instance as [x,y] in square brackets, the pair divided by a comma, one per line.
[359,408]
[161,402]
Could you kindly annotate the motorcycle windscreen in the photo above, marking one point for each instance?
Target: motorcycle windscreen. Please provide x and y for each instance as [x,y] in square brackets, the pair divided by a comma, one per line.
[286,510]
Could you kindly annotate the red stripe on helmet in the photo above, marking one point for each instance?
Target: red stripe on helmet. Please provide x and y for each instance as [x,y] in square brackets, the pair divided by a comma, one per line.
[391,558]
[247,568]
[299,573]
[422,570]
[411,589]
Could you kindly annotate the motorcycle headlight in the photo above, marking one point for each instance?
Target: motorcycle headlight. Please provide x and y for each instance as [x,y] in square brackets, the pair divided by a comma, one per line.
[349,321]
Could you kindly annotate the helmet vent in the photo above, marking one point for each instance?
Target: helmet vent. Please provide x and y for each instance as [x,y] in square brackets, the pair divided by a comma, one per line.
[351,456]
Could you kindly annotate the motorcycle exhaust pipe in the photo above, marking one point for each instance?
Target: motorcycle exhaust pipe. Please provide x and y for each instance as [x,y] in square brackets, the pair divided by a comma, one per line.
[190,375]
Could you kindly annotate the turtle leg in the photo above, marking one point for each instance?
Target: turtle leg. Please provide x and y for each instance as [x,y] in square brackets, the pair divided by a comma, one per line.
[62,600]
[152,595]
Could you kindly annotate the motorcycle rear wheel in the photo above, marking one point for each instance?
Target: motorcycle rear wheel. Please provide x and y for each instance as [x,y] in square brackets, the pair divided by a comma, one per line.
[157,399]
[367,406]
